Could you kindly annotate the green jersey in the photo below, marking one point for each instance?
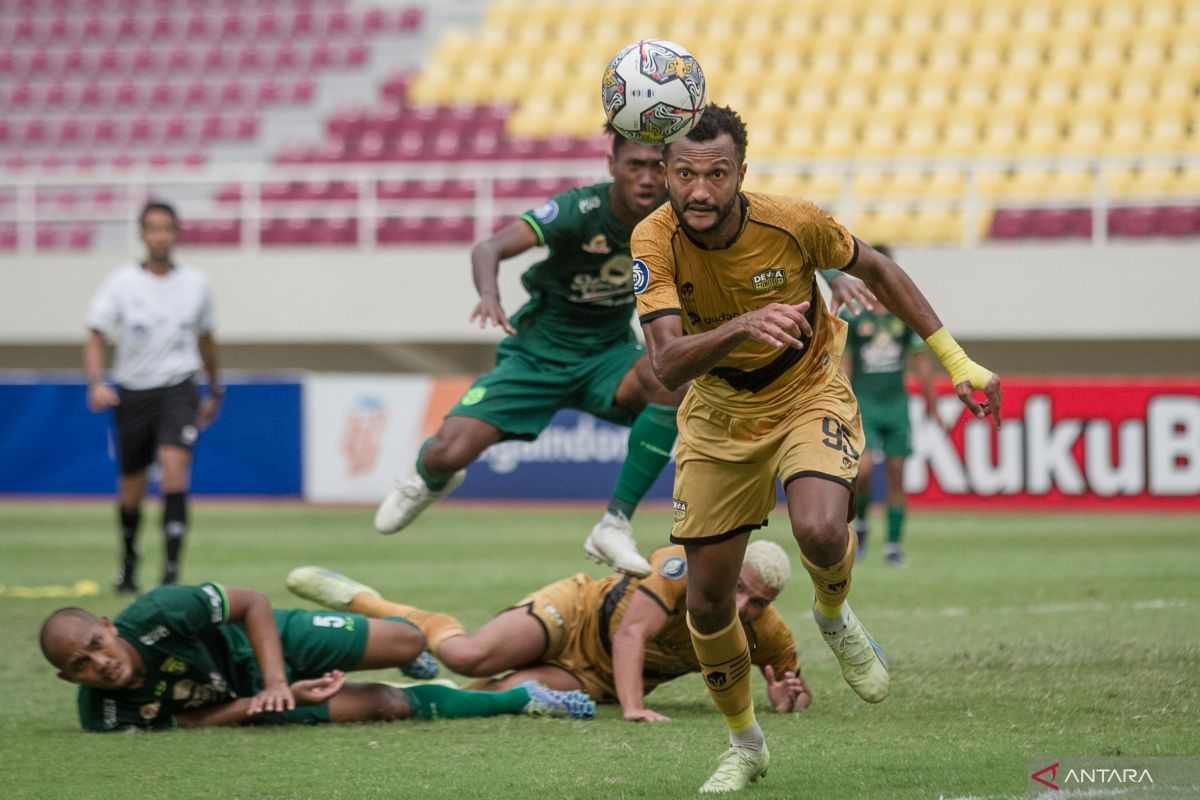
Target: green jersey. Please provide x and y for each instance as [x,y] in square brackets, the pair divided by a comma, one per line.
[581,294]
[877,344]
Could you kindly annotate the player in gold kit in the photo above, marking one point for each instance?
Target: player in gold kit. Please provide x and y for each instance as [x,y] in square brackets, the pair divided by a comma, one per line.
[725,288]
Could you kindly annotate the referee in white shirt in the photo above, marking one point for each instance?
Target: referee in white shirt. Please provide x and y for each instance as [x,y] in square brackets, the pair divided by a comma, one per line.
[158,316]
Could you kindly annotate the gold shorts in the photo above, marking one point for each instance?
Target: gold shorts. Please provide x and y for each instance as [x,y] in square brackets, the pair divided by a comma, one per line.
[726,466]
[569,612]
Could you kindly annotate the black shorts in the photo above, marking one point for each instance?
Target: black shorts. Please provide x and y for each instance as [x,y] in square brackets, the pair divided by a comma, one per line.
[147,419]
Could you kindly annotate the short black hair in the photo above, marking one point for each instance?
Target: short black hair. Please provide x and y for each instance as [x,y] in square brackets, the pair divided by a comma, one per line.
[158,205]
[618,141]
[717,120]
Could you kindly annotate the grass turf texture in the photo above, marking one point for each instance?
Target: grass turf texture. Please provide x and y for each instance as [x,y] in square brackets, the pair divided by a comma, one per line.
[1009,637]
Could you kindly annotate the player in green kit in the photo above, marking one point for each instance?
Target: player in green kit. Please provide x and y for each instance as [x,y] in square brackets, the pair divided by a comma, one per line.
[214,655]
[880,350]
[570,346]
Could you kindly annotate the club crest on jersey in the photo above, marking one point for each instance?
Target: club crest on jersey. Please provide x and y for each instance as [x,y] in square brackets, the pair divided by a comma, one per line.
[641,276]
[674,568]
[768,279]
[680,507]
[546,212]
[598,245]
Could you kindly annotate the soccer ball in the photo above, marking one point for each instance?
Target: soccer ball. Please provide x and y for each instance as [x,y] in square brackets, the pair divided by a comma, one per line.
[653,91]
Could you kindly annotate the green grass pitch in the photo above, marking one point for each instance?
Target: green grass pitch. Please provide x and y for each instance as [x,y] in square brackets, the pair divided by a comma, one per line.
[1009,636]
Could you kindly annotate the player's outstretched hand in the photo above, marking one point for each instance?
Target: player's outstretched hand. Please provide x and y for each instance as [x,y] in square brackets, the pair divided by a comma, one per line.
[101,397]
[777,324]
[645,715]
[991,390]
[489,312]
[315,691]
[207,413]
[852,293]
[790,693]
[272,699]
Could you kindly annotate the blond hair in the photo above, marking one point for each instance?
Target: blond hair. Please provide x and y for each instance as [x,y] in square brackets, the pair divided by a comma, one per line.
[770,562]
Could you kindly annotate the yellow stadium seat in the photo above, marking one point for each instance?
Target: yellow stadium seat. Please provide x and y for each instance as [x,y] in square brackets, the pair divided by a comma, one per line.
[904,56]
[1167,134]
[1025,52]
[956,19]
[934,226]
[1067,50]
[995,18]
[799,139]
[1042,133]
[993,182]
[1054,90]
[1127,134]
[1150,49]
[1094,91]
[1177,88]
[880,137]
[932,94]
[866,57]
[1185,50]
[1189,180]
[1119,181]
[1077,16]
[1034,18]
[1117,15]
[1107,49]
[813,97]
[915,19]
[894,94]
[1014,92]
[961,133]
[1157,14]
[1070,183]
[838,136]
[1001,136]
[852,96]
[985,51]
[1028,183]
[871,183]
[973,91]
[824,186]
[1086,133]
[920,135]
[948,56]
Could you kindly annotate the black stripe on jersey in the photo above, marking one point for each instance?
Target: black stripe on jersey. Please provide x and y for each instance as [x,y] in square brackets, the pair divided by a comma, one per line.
[662,312]
[758,379]
[719,537]
[812,473]
[612,598]
[655,598]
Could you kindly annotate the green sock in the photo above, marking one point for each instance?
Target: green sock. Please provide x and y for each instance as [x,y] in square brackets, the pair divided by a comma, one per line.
[651,438]
[430,701]
[434,482]
[862,506]
[895,519]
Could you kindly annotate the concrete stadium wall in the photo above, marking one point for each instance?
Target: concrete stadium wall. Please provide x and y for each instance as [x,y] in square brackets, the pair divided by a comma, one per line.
[323,299]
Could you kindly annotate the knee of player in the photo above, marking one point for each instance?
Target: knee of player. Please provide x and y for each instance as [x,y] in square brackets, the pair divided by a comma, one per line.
[465,656]
[816,533]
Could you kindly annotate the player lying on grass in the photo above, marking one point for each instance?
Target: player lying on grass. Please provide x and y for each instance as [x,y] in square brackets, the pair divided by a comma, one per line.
[214,655]
[615,638]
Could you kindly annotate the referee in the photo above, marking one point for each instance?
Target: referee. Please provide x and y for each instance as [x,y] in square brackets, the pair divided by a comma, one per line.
[158,316]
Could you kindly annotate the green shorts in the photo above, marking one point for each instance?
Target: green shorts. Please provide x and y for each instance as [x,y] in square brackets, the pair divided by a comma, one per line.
[887,429]
[526,389]
[314,642]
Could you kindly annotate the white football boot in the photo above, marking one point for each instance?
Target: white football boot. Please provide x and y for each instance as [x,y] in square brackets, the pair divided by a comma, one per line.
[611,543]
[408,499]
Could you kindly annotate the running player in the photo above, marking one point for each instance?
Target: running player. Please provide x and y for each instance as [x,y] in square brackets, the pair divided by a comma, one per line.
[726,299]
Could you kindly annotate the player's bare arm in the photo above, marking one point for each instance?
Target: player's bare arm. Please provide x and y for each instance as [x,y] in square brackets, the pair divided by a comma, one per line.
[677,358]
[511,240]
[643,619]
[311,692]
[253,610]
[901,296]
[210,406]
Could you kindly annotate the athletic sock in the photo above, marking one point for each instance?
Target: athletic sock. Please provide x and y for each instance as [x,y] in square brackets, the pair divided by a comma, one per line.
[430,701]
[436,626]
[724,659]
[832,585]
[174,525]
[435,482]
[651,438]
[862,507]
[131,521]
[895,523]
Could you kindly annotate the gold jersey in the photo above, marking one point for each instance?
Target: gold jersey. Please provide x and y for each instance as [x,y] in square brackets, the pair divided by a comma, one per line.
[783,242]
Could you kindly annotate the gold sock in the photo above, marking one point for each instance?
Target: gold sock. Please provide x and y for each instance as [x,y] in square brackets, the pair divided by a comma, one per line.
[832,583]
[436,626]
[724,659]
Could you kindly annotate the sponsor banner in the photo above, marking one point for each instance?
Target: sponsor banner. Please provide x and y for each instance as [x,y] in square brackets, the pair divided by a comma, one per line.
[51,444]
[361,432]
[1064,443]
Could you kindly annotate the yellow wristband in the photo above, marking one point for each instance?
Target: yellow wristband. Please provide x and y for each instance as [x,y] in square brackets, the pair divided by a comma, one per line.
[955,360]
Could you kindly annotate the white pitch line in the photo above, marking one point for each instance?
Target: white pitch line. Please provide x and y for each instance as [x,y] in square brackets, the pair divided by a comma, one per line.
[1157,604]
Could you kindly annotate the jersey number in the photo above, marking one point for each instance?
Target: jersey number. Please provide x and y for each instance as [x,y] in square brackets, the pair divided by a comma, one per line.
[333,622]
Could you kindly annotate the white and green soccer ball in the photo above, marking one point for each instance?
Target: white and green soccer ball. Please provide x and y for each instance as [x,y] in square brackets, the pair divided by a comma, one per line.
[653,91]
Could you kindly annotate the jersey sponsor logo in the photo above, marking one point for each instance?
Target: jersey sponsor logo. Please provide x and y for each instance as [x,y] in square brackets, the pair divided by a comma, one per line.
[589,204]
[674,568]
[555,614]
[681,509]
[768,279]
[597,244]
[216,604]
[546,212]
[473,396]
[150,710]
[173,666]
[641,276]
[611,286]
[108,713]
[156,635]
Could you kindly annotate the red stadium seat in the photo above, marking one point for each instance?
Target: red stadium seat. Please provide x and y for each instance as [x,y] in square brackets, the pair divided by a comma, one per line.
[73,63]
[179,60]
[176,129]
[337,24]
[90,95]
[375,21]
[144,61]
[320,56]
[232,93]
[216,59]
[231,26]
[8,237]
[246,127]
[196,94]
[104,131]
[285,58]
[1053,223]
[302,91]
[268,92]
[79,236]
[1011,223]
[355,55]
[126,95]
[212,128]
[410,18]
[197,26]
[249,58]
[267,26]
[1136,222]
[162,28]
[162,95]
[69,131]
[1180,221]
[141,130]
